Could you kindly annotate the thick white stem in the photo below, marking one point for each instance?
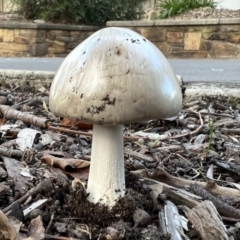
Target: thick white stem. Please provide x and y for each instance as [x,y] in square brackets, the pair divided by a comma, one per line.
[106,182]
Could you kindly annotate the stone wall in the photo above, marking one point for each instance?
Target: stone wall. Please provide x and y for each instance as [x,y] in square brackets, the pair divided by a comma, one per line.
[176,39]
[30,39]
[215,38]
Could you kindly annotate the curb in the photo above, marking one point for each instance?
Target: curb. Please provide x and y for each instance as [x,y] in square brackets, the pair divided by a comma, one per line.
[34,80]
[173,22]
[212,89]
[26,80]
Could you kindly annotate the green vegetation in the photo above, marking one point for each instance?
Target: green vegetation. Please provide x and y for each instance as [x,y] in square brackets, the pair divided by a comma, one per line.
[211,132]
[174,7]
[91,12]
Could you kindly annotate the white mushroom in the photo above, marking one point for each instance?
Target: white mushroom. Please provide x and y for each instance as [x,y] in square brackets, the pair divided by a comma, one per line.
[114,77]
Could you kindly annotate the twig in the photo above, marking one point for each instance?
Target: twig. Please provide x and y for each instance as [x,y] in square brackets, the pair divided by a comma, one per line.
[193,132]
[185,159]
[67,130]
[4,151]
[50,223]
[235,131]
[212,114]
[11,113]
[50,237]
[44,185]
[221,206]
[197,173]
[229,219]
[162,176]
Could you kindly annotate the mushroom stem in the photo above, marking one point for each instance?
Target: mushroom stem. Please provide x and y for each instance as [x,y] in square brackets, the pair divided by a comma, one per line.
[106,182]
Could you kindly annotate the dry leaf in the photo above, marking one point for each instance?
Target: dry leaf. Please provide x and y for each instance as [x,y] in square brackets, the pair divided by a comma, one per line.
[77,168]
[16,224]
[144,149]
[7,230]
[1,122]
[8,129]
[36,229]
[45,106]
[77,181]
[13,168]
[65,163]
[71,123]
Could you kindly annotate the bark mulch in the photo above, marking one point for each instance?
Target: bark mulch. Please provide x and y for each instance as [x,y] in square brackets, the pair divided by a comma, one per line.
[182,174]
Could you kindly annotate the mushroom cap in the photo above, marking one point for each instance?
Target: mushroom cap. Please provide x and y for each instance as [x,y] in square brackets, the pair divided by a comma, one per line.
[115,76]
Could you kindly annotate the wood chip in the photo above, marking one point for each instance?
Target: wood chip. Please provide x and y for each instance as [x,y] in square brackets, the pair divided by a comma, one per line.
[138,156]
[170,222]
[35,205]
[207,221]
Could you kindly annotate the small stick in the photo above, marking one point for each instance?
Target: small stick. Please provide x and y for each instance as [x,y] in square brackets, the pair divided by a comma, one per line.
[221,206]
[50,237]
[50,223]
[193,132]
[185,159]
[212,114]
[61,129]
[128,138]
[44,185]
[161,175]
[235,131]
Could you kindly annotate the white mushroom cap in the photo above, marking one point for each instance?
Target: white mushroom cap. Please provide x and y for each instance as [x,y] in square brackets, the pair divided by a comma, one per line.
[115,76]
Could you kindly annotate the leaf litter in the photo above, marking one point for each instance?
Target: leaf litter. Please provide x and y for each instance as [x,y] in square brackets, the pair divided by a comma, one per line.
[182,174]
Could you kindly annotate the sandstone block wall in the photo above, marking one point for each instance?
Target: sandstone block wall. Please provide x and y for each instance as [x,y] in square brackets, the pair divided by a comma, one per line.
[176,39]
[196,42]
[191,39]
[28,39]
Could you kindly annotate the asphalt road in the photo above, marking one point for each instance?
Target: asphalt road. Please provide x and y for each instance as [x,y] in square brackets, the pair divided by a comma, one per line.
[192,70]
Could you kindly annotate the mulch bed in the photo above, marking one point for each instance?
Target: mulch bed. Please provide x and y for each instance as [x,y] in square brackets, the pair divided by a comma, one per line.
[182,174]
